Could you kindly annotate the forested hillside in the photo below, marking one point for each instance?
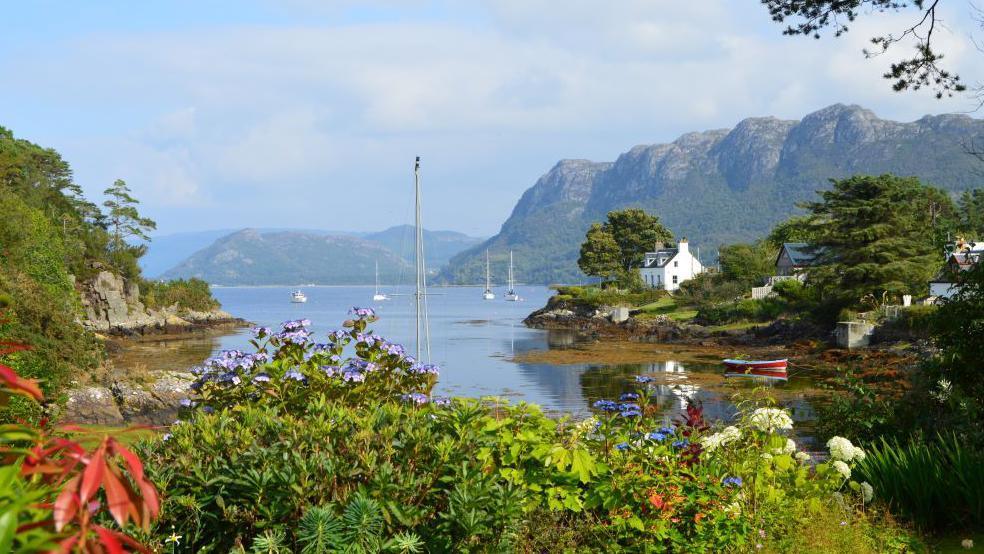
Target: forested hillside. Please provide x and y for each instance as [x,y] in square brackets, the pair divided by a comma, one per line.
[722,186]
[52,239]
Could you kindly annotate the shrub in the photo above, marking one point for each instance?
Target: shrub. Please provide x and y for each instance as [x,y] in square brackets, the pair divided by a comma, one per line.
[301,445]
[191,294]
[747,309]
[595,296]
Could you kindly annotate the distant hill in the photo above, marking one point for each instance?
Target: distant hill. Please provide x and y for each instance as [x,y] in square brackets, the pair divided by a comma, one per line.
[290,257]
[721,186]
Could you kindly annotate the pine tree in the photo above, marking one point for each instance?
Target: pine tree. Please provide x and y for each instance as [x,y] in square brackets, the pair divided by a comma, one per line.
[124,222]
[878,235]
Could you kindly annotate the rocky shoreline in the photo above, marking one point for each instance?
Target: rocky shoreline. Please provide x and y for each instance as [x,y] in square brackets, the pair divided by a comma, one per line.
[604,322]
[118,396]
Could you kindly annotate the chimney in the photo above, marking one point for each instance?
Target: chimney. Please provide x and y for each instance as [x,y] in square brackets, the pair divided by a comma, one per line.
[684,246]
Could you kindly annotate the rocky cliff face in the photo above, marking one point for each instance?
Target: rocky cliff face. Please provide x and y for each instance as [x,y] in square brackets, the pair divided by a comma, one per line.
[721,186]
[112,305]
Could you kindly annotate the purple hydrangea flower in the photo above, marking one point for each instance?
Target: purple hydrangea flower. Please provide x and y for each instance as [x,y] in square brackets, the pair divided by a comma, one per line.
[331,370]
[261,378]
[424,369]
[682,443]
[731,481]
[628,396]
[353,376]
[294,375]
[338,335]
[441,401]
[643,379]
[295,324]
[261,331]
[187,403]
[416,397]
[362,313]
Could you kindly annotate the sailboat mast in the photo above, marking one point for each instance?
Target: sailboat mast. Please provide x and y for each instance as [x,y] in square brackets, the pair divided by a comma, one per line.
[510,272]
[420,296]
[488,282]
[376,292]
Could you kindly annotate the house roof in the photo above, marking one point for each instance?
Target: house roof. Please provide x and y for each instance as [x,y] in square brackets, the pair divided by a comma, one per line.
[666,254]
[800,253]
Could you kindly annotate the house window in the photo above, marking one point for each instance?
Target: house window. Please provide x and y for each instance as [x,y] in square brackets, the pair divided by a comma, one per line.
[674,279]
[676,264]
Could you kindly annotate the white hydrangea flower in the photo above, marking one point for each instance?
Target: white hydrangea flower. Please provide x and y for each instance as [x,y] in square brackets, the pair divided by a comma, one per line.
[867,492]
[771,419]
[790,447]
[727,435]
[842,468]
[802,457]
[842,449]
[766,456]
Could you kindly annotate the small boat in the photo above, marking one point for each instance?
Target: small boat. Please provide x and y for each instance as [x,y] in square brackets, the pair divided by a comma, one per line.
[298,297]
[488,295]
[771,369]
[511,295]
[378,296]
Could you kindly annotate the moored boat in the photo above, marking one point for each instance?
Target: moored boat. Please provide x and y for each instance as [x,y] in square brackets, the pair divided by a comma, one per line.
[298,297]
[772,369]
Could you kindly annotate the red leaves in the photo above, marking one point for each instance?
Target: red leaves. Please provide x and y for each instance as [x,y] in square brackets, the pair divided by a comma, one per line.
[13,383]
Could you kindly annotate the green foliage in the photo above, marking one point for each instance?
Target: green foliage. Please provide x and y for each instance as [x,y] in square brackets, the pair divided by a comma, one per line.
[855,409]
[798,228]
[595,296]
[971,210]
[747,264]
[877,235]
[191,294]
[746,309]
[937,483]
[617,247]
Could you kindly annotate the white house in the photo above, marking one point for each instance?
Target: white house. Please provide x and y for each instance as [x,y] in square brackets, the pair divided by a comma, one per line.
[666,268]
[964,256]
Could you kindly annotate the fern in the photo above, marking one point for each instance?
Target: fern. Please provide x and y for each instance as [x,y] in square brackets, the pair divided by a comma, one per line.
[319,531]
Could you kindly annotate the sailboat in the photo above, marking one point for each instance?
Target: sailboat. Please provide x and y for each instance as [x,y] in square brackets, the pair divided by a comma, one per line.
[378,296]
[488,295]
[422,331]
[298,297]
[511,295]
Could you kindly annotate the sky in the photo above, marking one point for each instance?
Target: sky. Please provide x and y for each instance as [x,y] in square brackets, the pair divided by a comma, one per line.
[308,114]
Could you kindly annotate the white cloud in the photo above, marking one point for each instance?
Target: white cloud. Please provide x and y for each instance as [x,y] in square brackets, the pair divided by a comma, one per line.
[321,105]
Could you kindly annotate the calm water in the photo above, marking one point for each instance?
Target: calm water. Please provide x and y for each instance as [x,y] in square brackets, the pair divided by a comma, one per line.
[474,341]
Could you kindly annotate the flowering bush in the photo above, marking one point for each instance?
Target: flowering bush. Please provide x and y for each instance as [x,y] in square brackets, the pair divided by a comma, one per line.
[300,427]
[289,368]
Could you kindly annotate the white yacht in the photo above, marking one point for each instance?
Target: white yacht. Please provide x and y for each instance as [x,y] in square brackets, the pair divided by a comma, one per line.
[378,296]
[298,297]
[511,295]
[488,295]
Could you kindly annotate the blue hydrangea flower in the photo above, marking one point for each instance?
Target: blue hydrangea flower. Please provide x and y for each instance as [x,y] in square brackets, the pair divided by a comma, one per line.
[630,413]
[208,409]
[628,396]
[331,370]
[295,325]
[441,401]
[643,379]
[682,443]
[338,335]
[657,436]
[667,430]
[261,378]
[259,332]
[606,405]
[622,446]
[731,481]
[187,403]
[424,369]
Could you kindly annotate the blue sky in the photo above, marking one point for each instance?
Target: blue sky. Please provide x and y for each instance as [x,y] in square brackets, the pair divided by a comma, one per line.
[305,113]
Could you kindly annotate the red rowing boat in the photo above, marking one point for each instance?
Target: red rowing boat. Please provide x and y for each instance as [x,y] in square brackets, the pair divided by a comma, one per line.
[773,369]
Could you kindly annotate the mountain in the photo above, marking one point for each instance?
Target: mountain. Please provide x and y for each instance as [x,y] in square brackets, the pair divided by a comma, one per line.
[291,257]
[439,246]
[166,251]
[720,186]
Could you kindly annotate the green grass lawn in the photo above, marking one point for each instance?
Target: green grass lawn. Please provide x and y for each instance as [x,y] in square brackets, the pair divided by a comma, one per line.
[667,306]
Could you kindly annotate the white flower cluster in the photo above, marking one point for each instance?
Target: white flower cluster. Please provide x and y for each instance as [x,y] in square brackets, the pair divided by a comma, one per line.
[842,468]
[771,419]
[867,492]
[727,435]
[802,457]
[842,449]
[584,428]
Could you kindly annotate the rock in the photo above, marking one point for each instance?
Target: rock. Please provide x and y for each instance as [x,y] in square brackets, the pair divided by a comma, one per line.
[155,404]
[92,405]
